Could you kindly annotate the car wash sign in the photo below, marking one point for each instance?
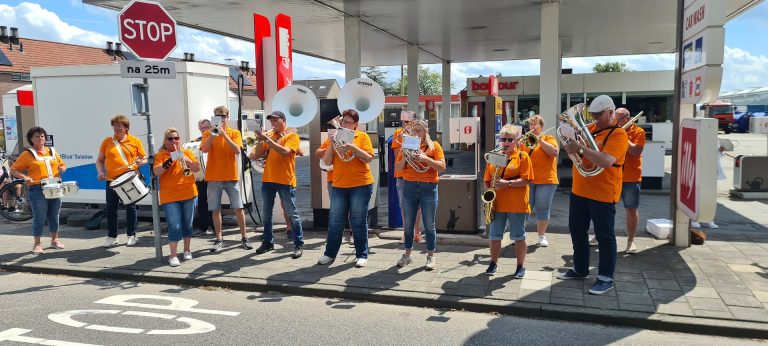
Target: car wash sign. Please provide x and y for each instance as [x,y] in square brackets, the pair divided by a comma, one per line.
[702,48]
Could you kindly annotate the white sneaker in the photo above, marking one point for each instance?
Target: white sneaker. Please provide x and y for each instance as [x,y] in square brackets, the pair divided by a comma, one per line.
[325,260]
[403,261]
[187,256]
[430,263]
[543,242]
[174,261]
[710,225]
[631,248]
[695,224]
[132,240]
[209,231]
[593,241]
[109,242]
[361,262]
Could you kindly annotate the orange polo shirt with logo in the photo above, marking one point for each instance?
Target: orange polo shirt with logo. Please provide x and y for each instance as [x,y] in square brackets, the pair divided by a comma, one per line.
[606,186]
[633,164]
[544,166]
[222,161]
[430,175]
[327,144]
[512,199]
[174,186]
[281,169]
[397,144]
[36,169]
[353,173]
[113,162]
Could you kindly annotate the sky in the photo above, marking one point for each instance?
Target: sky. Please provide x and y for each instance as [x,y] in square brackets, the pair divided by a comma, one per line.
[69,21]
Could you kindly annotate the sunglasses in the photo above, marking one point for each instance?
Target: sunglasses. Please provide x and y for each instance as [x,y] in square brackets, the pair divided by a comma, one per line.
[502,140]
[172,139]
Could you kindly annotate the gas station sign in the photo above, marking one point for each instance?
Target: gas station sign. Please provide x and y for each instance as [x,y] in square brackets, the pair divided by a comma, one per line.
[697,171]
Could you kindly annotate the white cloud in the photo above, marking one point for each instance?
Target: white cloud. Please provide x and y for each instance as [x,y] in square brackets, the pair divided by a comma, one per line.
[743,70]
[36,22]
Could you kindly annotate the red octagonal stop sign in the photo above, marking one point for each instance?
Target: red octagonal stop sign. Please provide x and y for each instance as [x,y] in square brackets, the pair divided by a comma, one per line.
[147,30]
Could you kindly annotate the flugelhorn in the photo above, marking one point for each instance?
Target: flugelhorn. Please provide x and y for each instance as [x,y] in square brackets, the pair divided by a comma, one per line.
[410,156]
[573,117]
[488,196]
[337,144]
[632,121]
[185,171]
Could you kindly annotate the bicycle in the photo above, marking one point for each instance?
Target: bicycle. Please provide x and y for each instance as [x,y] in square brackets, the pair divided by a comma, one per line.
[15,198]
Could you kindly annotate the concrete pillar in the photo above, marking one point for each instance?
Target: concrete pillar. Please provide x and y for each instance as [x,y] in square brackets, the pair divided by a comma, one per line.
[445,110]
[352,56]
[550,62]
[413,79]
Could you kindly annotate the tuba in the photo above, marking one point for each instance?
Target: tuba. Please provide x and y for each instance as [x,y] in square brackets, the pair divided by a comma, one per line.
[573,117]
[337,144]
[489,195]
[363,95]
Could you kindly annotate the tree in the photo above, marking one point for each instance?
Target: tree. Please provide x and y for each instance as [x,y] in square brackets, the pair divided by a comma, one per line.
[379,76]
[611,66]
[430,83]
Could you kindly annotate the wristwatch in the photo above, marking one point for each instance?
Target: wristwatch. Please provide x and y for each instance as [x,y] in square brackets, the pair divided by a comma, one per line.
[581,152]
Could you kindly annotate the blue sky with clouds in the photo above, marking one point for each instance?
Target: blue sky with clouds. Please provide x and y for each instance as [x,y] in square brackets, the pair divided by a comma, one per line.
[70,21]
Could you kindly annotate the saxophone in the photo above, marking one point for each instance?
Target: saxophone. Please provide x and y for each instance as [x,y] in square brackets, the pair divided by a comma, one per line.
[489,195]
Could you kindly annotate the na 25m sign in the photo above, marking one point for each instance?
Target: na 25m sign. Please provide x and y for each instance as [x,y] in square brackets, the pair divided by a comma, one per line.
[148,69]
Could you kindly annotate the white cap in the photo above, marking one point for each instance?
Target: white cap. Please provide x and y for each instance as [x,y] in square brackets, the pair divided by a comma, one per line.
[601,103]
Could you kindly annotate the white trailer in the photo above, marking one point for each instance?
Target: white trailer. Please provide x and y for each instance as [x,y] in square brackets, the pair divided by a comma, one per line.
[75,104]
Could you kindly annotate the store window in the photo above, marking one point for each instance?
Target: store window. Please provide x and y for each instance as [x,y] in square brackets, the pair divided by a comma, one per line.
[527,105]
[656,106]
[576,99]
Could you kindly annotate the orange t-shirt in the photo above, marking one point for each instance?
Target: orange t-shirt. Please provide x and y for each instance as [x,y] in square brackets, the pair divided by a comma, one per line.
[113,162]
[327,144]
[430,176]
[544,166]
[222,161]
[397,144]
[606,186]
[36,169]
[633,164]
[281,169]
[174,186]
[353,173]
[513,199]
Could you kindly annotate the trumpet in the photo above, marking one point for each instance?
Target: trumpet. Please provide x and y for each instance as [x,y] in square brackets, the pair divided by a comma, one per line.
[632,121]
[530,140]
[185,171]
[488,196]
[251,141]
[215,131]
[345,157]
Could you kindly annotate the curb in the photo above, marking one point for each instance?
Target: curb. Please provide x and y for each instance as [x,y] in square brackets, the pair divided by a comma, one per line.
[669,323]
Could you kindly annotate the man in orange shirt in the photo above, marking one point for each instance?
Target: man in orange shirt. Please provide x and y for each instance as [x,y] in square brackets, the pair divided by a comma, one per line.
[119,154]
[594,198]
[632,175]
[511,204]
[279,177]
[222,176]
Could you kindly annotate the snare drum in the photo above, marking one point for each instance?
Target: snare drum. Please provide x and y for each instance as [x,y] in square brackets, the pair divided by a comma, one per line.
[129,187]
[194,147]
[53,191]
[70,187]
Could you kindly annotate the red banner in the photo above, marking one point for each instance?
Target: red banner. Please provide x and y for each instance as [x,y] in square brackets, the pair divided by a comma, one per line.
[283,50]
[261,29]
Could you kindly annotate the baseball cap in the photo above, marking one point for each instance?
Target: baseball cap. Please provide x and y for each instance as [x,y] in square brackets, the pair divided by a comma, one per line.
[601,103]
[276,114]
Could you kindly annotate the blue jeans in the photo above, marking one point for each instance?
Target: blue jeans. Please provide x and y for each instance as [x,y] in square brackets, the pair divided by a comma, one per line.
[352,202]
[179,216]
[602,215]
[288,196]
[420,195]
[540,197]
[43,209]
[113,202]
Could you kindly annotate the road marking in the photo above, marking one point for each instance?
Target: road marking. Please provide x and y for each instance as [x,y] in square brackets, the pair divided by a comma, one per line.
[16,335]
[174,304]
[195,326]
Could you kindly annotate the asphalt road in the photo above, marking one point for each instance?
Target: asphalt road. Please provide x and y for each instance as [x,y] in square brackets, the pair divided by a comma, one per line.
[52,310]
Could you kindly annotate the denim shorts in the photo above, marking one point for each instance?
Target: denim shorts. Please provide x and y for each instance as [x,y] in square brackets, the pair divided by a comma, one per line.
[516,223]
[630,195]
[232,188]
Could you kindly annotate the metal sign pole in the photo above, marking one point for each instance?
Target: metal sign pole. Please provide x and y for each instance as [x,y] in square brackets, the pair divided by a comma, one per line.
[153,178]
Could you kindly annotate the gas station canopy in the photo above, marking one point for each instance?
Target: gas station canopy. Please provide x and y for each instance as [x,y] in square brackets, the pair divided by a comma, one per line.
[447,30]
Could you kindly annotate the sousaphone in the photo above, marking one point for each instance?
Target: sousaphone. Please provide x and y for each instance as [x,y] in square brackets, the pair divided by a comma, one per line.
[364,96]
[298,103]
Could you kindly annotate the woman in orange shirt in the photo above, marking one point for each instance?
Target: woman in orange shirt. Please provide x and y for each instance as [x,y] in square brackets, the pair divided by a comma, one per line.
[39,166]
[352,189]
[544,159]
[511,204]
[420,190]
[178,192]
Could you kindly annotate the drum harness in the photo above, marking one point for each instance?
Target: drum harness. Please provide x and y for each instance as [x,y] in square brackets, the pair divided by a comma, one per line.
[47,160]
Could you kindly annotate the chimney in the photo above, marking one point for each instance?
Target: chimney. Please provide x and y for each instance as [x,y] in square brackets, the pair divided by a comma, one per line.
[192,57]
[15,35]
[244,65]
[186,56]
[119,48]
[3,32]
[109,47]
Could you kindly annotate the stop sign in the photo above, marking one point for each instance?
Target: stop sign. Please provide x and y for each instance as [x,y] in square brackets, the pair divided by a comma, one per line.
[147,30]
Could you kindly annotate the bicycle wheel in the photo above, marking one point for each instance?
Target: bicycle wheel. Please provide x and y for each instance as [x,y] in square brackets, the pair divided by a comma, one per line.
[15,197]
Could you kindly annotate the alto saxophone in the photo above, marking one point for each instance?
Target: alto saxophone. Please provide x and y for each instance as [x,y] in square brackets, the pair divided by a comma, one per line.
[489,195]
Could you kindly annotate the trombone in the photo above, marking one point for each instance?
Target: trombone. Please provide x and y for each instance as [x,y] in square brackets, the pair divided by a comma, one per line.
[345,157]
[632,121]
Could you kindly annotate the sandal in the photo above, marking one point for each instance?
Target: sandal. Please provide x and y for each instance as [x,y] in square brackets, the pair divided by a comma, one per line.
[38,249]
[56,244]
